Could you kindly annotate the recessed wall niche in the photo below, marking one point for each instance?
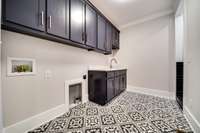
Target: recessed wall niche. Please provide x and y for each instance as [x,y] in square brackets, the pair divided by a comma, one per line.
[20,66]
[75,95]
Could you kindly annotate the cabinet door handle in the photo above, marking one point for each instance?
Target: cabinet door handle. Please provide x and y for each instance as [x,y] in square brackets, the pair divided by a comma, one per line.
[42,18]
[50,22]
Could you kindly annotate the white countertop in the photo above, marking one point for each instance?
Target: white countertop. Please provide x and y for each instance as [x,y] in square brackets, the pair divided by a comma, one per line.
[106,68]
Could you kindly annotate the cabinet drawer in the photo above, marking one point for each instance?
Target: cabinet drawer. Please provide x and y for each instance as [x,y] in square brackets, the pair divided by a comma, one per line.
[110,74]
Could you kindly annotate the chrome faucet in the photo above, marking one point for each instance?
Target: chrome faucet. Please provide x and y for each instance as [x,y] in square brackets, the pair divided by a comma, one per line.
[113,59]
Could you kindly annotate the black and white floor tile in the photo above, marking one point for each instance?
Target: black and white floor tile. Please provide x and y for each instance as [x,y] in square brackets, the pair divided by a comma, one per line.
[128,113]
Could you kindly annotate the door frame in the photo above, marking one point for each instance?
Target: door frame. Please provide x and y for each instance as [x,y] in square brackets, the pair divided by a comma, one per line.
[1,110]
[182,9]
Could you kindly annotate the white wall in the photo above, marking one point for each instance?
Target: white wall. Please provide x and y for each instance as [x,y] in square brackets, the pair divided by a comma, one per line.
[192,61]
[26,96]
[149,52]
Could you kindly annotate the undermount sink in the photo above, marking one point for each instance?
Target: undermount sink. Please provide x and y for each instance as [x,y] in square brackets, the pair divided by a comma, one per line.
[107,68]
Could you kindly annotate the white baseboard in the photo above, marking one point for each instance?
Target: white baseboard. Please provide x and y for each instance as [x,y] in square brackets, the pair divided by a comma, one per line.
[36,121]
[153,92]
[195,125]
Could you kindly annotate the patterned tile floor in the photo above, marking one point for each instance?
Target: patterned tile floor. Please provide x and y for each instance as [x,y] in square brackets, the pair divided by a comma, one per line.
[128,113]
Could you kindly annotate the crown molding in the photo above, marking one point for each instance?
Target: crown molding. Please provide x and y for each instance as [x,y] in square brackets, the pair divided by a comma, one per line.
[148,18]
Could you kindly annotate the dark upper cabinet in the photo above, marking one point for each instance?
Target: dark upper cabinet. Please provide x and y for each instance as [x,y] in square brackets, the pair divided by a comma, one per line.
[77,19]
[58,18]
[101,33]
[91,27]
[29,13]
[73,22]
[108,37]
[115,38]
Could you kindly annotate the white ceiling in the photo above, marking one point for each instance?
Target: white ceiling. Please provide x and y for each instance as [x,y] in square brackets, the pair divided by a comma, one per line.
[125,12]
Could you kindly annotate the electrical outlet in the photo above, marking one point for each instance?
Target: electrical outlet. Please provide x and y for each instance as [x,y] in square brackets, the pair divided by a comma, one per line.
[48,74]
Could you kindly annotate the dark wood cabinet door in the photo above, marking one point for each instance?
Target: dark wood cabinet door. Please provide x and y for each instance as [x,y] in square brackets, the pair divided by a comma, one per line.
[122,82]
[91,27]
[108,37]
[58,18]
[117,85]
[101,33]
[97,87]
[29,13]
[110,88]
[115,38]
[77,20]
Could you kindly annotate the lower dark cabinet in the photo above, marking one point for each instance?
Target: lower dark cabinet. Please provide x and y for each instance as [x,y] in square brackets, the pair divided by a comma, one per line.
[103,86]
[117,85]
[123,82]
[110,89]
